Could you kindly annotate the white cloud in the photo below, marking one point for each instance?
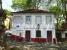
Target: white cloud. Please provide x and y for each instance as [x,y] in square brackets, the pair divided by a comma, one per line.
[6,4]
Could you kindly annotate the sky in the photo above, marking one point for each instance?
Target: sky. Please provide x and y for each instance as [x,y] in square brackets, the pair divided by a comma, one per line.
[6,4]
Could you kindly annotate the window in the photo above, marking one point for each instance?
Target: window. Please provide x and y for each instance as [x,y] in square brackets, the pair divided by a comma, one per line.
[28,19]
[38,33]
[48,20]
[18,19]
[38,20]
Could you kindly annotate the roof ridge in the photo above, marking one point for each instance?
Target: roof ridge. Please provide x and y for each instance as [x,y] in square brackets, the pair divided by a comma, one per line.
[33,11]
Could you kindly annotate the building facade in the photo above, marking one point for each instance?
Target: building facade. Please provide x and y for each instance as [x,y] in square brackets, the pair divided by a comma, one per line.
[33,26]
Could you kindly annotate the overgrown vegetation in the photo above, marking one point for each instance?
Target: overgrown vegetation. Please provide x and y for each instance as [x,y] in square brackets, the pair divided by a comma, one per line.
[26,4]
[60,12]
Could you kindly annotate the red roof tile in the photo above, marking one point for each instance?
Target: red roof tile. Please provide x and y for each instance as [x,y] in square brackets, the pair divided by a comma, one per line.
[33,11]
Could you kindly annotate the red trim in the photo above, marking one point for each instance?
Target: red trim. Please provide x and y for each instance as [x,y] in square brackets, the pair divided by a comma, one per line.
[38,40]
[16,38]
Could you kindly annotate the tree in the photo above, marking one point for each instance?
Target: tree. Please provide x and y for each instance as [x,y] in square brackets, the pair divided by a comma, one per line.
[60,11]
[26,4]
[62,5]
[64,2]
[58,15]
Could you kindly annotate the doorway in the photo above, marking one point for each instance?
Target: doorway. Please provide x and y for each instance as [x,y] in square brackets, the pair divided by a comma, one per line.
[58,36]
[27,36]
[49,36]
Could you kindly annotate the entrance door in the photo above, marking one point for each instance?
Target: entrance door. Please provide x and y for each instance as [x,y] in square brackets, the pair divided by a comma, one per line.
[66,35]
[58,35]
[49,36]
[27,36]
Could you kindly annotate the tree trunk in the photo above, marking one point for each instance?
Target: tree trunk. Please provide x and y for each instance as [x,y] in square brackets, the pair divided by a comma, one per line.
[66,16]
[65,13]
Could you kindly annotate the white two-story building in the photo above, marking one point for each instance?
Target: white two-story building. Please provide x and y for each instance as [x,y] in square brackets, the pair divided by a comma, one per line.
[33,25]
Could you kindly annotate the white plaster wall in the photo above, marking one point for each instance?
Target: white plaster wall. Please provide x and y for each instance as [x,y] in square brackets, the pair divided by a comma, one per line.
[33,22]
[53,33]
[44,35]
[63,35]
[33,33]
[33,26]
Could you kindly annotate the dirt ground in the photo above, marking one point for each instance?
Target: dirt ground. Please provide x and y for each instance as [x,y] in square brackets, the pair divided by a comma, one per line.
[34,46]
